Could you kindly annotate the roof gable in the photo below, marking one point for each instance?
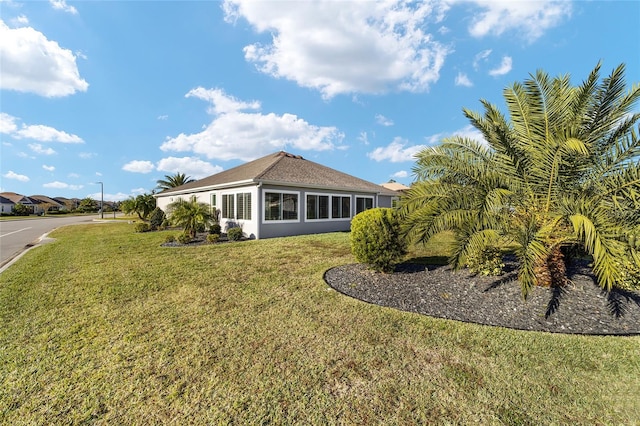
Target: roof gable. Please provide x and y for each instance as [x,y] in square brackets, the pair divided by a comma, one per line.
[285,169]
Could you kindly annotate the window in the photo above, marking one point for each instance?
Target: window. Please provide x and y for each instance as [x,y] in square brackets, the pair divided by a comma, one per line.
[317,206]
[280,206]
[228,207]
[213,200]
[244,205]
[340,207]
[363,203]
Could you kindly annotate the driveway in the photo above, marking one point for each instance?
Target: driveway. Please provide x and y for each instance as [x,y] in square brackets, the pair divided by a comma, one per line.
[18,235]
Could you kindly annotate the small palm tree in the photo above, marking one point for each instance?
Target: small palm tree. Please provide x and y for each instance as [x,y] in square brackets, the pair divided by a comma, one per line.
[142,205]
[562,172]
[190,215]
[174,181]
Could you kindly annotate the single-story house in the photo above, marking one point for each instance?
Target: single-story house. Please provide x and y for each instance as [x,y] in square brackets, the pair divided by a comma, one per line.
[6,205]
[282,195]
[21,199]
[47,204]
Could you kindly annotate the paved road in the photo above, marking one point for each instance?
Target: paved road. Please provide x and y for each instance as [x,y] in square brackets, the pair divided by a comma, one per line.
[15,235]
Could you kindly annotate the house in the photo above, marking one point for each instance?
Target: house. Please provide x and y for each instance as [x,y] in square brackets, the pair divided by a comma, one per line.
[281,195]
[6,205]
[47,204]
[21,199]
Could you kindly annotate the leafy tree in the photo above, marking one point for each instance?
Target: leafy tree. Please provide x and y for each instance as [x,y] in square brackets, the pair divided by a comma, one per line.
[190,215]
[561,172]
[88,205]
[142,205]
[20,210]
[173,181]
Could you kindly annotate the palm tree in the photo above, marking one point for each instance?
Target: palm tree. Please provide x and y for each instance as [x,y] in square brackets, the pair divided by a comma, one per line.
[176,180]
[190,215]
[142,205]
[563,171]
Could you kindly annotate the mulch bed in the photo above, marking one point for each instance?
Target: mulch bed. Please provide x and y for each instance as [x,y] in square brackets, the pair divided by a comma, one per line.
[437,291]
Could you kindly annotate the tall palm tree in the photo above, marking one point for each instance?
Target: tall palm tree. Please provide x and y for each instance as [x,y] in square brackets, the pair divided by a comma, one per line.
[190,215]
[562,171]
[173,181]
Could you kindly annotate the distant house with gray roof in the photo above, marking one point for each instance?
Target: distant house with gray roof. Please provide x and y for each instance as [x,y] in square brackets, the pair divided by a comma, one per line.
[6,205]
[282,195]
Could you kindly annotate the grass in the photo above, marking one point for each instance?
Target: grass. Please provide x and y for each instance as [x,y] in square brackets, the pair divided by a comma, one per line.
[105,326]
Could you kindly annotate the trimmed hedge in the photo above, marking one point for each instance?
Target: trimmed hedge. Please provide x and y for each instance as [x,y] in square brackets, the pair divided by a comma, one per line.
[376,239]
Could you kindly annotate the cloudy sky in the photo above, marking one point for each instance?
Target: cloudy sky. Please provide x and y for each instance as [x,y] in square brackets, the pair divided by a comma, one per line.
[128,92]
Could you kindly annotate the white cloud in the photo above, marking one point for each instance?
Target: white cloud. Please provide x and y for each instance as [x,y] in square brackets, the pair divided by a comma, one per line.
[396,152]
[32,63]
[163,117]
[364,138]
[48,168]
[401,174]
[504,68]
[138,191]
[236,134]
[191,166]
[62,185]
[529,19]
[87,155]
[39,149]
[62,5]
[139,166]
[463,80]
[346,47]
[36,132]
[15,176]
[467,131]
[383,121]
[7,123]
[20,21]
[481,57]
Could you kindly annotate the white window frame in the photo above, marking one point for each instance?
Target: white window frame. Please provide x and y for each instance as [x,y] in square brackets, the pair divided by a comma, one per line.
[373,203]
[246,210]
[278,221]
[223,207]
[351,207]
[318,194]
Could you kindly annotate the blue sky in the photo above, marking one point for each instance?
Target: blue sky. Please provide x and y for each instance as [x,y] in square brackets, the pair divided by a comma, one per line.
[127,92]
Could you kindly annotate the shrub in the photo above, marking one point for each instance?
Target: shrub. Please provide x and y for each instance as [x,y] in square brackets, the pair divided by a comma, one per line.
[169,238]
[215,229]
[486,262]
[184,238]
[142,227]
[213,238]
[156,218]
[376,240]
[235,234]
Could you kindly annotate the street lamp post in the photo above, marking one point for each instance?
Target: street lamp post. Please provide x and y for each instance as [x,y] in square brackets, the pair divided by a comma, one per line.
[101,200]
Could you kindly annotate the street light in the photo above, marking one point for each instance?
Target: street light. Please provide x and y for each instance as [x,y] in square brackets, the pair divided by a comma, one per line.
[101,200]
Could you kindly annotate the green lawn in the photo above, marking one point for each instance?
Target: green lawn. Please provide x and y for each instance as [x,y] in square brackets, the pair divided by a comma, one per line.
[105,326]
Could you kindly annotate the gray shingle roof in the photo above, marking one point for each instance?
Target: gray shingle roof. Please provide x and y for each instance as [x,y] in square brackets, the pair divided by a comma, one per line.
[284,169]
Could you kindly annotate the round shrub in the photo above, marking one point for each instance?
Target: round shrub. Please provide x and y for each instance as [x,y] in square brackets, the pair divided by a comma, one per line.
[213,238]
[235,234]
[215,229]
[156,219]
[169,238]
[142,227]
[184,238]
[376,239]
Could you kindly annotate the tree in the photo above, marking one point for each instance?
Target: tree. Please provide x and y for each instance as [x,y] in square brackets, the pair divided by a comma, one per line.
[20,210]
[190,215]
[176,180]
[561,172]
[88,205]
[142,205]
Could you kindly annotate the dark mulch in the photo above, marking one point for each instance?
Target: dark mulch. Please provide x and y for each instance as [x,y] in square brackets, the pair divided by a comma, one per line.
[437,291]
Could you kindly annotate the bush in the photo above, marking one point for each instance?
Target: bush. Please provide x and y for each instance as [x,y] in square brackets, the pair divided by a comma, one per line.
[376,240]
[142,227]
[184,238]
[215,229]
[213,238]
[488,262]
[156,219]
[235,234]
[169,238]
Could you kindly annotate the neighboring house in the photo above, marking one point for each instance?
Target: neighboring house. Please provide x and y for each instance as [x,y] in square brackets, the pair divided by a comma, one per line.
[6,205]
[395,186]
[47,204]
[68,203]
[281,195]
[21,199]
